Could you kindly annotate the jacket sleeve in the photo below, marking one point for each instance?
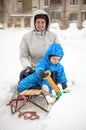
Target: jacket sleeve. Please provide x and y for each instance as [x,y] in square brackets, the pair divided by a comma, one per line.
[25,58]
[60,75]
[40,67]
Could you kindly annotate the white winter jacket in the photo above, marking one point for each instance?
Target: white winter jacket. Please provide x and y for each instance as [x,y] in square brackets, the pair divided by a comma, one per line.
[34,45]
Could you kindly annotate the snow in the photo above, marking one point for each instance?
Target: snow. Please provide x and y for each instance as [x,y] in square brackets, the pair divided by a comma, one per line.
[69,112]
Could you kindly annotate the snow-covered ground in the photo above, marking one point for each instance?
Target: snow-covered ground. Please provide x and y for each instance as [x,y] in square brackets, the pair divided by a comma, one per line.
[69,112]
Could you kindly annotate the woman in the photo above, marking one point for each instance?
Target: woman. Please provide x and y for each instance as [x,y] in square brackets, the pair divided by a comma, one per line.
[35,43]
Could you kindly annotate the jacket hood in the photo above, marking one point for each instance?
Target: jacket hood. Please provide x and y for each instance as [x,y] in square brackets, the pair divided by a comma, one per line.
[40,12]
[54,49]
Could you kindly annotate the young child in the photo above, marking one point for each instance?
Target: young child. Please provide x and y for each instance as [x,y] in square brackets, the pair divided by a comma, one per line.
[51,62]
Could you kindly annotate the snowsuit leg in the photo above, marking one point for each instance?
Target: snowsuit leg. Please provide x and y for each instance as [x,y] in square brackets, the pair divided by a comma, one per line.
[32,81]
[28,82]
[45,82]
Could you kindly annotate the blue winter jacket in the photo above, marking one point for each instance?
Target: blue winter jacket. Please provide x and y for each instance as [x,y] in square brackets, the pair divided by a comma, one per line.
[43,65]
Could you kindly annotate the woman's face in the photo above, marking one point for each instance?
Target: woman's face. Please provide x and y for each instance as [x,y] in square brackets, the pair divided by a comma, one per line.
[40,24]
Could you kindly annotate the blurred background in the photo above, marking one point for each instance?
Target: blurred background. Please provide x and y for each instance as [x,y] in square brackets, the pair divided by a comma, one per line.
[18,13]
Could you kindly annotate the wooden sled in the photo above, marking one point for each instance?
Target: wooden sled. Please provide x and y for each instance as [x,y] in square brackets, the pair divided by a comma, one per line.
[26,97]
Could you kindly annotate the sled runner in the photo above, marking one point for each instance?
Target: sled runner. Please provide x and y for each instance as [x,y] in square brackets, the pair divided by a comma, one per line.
[27,97]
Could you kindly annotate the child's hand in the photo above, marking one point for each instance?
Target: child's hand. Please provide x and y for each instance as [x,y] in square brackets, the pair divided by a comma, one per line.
[42,74]
[64,86]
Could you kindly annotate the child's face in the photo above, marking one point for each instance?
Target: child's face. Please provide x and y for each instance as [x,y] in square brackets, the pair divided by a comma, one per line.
[54,59]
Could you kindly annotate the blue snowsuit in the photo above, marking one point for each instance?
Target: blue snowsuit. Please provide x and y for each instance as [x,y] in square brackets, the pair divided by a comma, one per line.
[44,64]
